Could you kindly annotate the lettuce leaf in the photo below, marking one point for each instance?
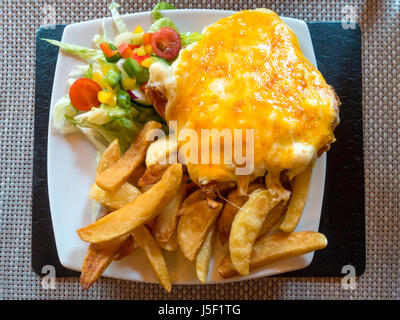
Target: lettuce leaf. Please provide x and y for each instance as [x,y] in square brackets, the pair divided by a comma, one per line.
[161,23]
[79,51]
[64,108]
[120,24]
[99,38]
[190,37]
[89,72]
[156,14]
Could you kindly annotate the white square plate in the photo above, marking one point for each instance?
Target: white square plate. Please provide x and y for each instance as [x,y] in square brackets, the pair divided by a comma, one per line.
[72,165]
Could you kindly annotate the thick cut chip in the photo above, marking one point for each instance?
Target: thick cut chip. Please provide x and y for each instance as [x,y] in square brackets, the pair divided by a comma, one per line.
[167,220]
[98,258]
[154,254]
[162,151]
[171,244]
[272,218]
[247,225]
[100,255]
[194,197]
[140,211]
[152,174]
[279,246]
[232,206]
[297,200]
[194,224]
[128,247]
[136,174]
[114,199]
[120,171]
[110,156]
[204,255]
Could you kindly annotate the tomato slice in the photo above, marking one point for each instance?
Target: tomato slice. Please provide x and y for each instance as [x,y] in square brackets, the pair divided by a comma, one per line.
[83,94]
[166,43]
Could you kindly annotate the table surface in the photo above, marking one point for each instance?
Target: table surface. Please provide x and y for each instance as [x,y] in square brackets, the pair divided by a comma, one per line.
[379,22]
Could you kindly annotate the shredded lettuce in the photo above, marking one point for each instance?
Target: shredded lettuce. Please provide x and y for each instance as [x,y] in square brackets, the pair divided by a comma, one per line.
[95,116]
[64,108]
[128,37]
[79,51]
[156,14]
[99,38]
[89,72]
[161,23]
[121,26]
[95,137]
[190,37]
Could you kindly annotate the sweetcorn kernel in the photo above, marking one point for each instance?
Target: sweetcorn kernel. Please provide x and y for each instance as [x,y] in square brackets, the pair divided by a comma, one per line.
[147,62]
[105,69]
[149,49]
[138,29]
[141,51]
[98,79]
[129,83]
[107,98]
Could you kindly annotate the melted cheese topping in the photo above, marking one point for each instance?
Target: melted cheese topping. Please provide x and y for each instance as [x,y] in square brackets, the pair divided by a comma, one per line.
[248,72]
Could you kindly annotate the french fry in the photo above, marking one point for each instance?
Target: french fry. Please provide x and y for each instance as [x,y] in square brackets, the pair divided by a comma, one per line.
[278,246]
[171,244]
[194,197]
[100,255]
[119,172]
[246,226]
[109,157]
[114,199]
[152,223]
[159,151]
[297,200]
[127,248]
[194,224]
[167,220]
[272,218]
[140,211]
[204,255]
[136,174]
[231,207]
[152,174]
[98,258]
[154,254]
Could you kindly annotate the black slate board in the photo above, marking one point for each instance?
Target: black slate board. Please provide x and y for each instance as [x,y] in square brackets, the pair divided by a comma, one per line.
[338,53]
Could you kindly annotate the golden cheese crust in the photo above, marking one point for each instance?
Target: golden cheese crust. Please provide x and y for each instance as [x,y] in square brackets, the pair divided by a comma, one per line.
[248,72]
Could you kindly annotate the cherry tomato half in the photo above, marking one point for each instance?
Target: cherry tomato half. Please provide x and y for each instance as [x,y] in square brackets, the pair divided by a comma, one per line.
[166,43]
[83,94]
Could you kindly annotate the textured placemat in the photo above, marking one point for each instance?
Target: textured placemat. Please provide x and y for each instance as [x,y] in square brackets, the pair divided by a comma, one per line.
[379,21]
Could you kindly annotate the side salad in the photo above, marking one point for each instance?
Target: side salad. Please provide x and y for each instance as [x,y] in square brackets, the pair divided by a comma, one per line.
[105,99]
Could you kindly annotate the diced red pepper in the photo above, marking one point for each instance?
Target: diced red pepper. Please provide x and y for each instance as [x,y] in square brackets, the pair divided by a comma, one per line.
[108,52]
[147,38]
[139,59]
[125,51]
[134,46]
